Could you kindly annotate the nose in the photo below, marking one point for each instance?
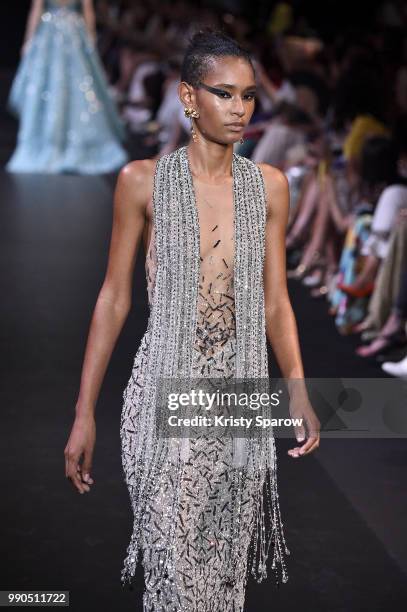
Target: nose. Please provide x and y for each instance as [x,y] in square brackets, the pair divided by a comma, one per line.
[238,106]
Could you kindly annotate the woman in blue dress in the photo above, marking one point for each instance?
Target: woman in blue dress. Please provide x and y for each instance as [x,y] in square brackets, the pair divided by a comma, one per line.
[68,121]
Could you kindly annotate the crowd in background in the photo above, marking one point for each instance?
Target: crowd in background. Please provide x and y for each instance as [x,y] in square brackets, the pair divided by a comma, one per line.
[330,113]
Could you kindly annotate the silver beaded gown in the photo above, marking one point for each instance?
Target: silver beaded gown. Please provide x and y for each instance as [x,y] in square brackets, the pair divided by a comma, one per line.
[198,503]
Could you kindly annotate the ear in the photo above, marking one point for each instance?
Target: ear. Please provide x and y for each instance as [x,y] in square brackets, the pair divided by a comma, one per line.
[186,94]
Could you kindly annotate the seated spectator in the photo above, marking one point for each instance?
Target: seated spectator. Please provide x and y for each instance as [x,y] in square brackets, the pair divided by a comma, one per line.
[393,332]
[392,199]
[288,128]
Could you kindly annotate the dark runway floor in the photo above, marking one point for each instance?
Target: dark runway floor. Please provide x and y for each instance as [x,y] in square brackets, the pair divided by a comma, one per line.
[343,507]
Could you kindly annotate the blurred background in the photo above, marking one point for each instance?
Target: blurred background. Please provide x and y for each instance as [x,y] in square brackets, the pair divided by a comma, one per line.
[330,112]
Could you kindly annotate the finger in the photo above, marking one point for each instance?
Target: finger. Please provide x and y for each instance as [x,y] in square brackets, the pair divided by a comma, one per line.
[82,480]
[310,441]
[87,466]
[306,448]
[300,433]
[83,486]
[310,450]
[309,446]
[294,452]
[76,482]
[87,478]
[74,474]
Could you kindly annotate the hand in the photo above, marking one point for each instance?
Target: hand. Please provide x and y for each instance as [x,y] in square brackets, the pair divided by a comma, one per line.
[300,408]
[81,441]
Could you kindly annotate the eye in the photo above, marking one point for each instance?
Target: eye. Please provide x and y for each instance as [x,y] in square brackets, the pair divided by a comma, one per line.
[223,94]
[250,96]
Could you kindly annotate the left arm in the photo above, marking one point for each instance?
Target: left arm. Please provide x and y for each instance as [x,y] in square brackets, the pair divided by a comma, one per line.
[281,326]
[89,17]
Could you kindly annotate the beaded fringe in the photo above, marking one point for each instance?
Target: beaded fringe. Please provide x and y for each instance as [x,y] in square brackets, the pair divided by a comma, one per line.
[267,507]
[260,545]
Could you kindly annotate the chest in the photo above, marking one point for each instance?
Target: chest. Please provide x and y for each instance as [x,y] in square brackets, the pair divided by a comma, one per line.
[212,220]
[194,222]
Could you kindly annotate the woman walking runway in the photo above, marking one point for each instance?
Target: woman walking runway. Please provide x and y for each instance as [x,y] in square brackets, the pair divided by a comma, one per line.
[206,507]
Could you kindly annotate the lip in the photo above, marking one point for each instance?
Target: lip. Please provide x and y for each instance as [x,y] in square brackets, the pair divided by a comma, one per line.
[236,127]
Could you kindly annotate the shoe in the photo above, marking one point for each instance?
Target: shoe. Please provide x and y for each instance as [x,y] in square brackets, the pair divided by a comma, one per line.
[389,341]
[363,326]
[364,291]
[398,368]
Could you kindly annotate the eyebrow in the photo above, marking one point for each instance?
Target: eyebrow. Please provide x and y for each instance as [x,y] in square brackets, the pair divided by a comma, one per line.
[234,86]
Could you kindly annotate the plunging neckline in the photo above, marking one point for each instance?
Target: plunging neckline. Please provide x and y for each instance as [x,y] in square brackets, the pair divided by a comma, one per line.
[194,206]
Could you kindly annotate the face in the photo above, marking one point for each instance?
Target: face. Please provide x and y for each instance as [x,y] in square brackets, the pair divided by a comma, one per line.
[225,101]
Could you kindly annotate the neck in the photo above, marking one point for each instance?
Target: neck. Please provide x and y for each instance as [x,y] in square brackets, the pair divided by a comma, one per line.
[210,160]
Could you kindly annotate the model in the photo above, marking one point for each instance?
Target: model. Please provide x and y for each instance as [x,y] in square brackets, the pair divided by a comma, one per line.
[68,122]
[214,230]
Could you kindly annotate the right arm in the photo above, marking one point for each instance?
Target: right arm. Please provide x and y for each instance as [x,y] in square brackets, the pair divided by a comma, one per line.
[37,7]
[110,313]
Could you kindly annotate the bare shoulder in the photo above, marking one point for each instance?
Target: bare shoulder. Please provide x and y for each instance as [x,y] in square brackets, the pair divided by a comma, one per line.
[275,180]
[138,173]
[276,186]
[135,184]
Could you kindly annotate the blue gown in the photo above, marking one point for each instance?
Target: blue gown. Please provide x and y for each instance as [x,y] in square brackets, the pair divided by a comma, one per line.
[68,121]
